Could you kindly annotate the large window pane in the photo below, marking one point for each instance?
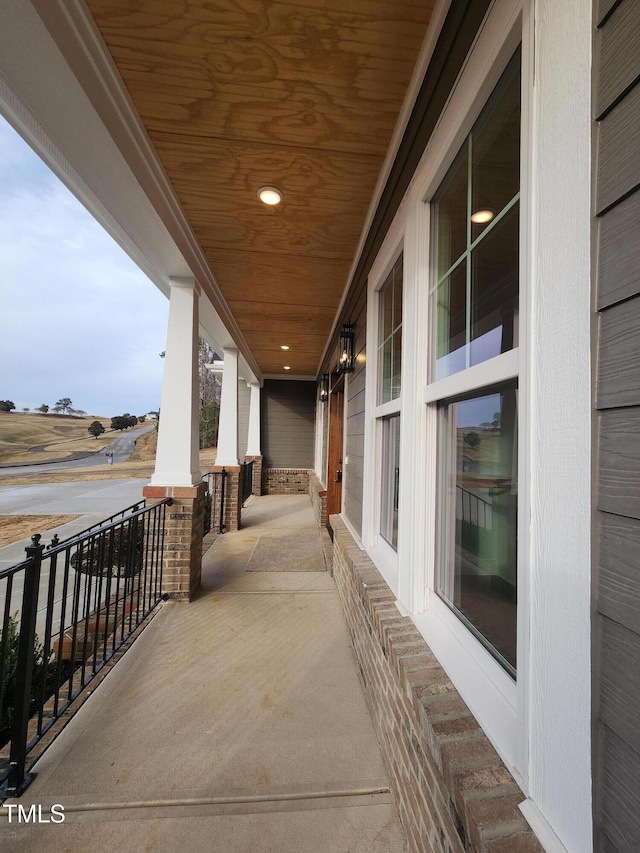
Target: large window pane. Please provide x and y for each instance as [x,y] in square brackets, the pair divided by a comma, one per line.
[478,516]
[390,331]
[451,205]
[386,307]
[495,144]
[390,479]
[494,290]
[475,236]
[451,323]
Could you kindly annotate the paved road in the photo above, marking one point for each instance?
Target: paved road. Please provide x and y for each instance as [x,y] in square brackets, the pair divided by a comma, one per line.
[122,447]
[92,501]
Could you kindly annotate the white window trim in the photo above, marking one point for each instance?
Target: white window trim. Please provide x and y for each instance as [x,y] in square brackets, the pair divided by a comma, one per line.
[486,687]
[384,556]
[491,372]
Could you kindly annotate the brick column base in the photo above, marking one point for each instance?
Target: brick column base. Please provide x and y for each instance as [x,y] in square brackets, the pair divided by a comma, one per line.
[232,506]
[256,483]
[182,562]
[318,497]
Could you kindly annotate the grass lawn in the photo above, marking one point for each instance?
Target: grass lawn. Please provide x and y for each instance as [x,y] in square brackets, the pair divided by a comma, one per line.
[13,528]
[30,437]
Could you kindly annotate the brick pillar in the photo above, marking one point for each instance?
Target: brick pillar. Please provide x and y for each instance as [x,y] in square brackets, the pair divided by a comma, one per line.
[256,482]
[182,565]
[232,504]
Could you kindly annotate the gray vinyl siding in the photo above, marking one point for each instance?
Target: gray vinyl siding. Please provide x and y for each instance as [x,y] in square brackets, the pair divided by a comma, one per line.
[616,629]
[288,423]
[354,418]
[244,398]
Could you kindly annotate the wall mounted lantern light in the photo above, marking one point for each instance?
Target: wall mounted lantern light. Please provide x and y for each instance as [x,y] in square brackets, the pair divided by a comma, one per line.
[347,336]
[324,387]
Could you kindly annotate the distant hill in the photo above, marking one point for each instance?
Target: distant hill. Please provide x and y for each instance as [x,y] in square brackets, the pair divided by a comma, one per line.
[32,437]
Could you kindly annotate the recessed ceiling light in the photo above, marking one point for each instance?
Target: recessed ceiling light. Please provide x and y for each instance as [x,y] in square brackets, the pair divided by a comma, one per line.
[284,346]
[286,367]
[482,216]
[270,195]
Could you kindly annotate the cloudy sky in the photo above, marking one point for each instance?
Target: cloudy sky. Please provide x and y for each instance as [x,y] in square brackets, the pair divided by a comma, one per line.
[77,317]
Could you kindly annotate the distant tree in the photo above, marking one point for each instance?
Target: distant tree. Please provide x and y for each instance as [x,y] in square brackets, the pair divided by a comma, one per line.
[43,409]
[64,404]
[79,413]
[57,409]
[121,422]
[26,409]
[209,418]
[96,428]
[7,405]
[141,419]
[209,387]
[472,439]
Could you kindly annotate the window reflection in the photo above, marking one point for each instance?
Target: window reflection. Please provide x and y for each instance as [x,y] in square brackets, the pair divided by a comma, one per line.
[390,480]
[478,525]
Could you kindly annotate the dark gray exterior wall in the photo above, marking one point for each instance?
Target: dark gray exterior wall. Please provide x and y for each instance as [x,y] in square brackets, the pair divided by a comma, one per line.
[616,620]
[244,397]
[355,416]
[325,445]
[287,422]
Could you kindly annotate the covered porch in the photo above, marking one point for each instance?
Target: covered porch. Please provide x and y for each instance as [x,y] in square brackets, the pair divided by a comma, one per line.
[238,724]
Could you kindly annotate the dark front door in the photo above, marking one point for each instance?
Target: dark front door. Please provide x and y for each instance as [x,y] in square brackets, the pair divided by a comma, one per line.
[336,437]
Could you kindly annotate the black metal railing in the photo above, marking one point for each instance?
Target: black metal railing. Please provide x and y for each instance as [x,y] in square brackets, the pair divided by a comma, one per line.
[66,610]
[216,487]
[473,509]
[246,481]
[117,515]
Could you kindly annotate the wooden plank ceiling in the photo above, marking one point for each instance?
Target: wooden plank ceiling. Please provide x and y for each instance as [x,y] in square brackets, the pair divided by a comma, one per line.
[303,95]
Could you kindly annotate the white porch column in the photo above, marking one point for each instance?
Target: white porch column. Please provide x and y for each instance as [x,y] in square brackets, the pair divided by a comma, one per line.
[228,424]
[253,439]
[177,461]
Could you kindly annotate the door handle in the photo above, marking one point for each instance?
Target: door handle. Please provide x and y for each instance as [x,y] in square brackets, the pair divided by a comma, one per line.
[338,478]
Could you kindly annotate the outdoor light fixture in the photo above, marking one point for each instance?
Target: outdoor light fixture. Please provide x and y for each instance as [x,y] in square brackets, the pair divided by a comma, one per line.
[482,216]
[324,387]
[347,337]
[270,195]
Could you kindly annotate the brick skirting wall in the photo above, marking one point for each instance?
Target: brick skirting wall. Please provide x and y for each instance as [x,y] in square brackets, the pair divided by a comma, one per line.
[318,497]
[452,791]
[285,481]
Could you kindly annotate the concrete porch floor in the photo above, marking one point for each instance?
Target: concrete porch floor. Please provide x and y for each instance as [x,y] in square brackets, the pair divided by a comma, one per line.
[235,723]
